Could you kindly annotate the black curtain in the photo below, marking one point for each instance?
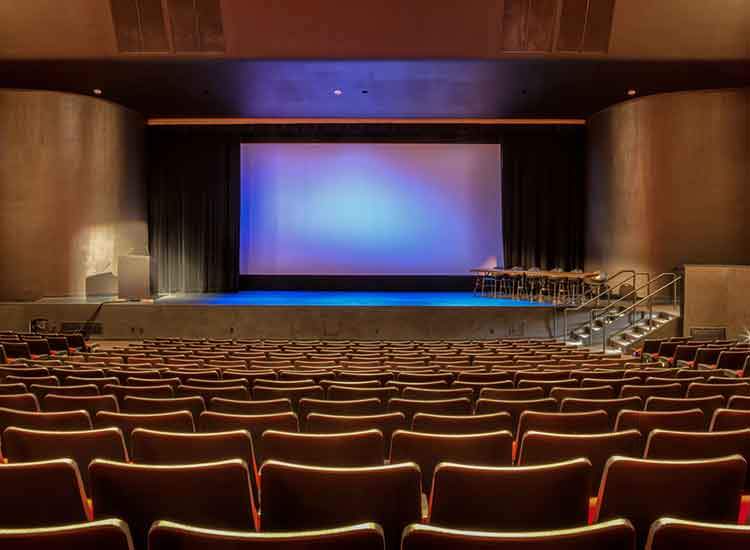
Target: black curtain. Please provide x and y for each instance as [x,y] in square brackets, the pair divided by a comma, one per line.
[543,198]
[194,209]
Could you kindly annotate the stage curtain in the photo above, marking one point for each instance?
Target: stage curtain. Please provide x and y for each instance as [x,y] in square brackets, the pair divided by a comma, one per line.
[194,209]
[543,198]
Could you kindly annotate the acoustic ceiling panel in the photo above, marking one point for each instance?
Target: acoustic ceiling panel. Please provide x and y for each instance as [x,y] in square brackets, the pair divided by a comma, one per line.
[514,24]
[211,31]
[598,25]
[127,27]
[572,25]
[540,25]
[153,33]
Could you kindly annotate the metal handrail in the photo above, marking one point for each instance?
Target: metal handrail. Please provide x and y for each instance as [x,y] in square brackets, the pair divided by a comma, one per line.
[673,283]
[632,275]
[634,292]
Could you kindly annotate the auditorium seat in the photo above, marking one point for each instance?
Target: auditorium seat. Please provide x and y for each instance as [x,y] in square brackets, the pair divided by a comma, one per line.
[167,535]
[548,385]
[512,394]
[184,374]
[657,390]
[347,393]
[19,402]
[51,421]
[40,494]
[180,421]
[707,404]
[387,423]
[271,383]
[112,534]
[400,386]
[24,445]
[645,421]
[739,402]
[435,377]
[543,448]
[642,491]
[344,449]
[515,408]
[436,394]
[297,497]
[485,377]
[616,534]
[89,403]
[410,407]
[254,424]
[121,392]
[100,382]
[249,376]
[725,390]
[13,388]
[428,450]
[550,496]
[611,406]
[328,382]
[595,392]
[673,445]
[210,495]
[293,394]
[566,423]
[232,406]
[149,405]
[356,407]
[238,393]
[730,419]
[616,383]
[23,371]
[671,533]
[450,424]
[231,383]
[136,379]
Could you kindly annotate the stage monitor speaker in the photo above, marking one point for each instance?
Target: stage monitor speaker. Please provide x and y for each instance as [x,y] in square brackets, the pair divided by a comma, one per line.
[134,275]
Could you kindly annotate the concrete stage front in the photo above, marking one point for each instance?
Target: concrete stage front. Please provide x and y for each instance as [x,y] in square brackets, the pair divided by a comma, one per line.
[294,314]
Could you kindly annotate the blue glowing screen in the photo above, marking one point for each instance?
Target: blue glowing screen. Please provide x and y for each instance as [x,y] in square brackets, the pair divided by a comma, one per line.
[369,209]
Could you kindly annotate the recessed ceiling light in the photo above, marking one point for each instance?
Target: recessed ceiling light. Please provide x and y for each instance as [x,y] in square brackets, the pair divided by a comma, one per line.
[337,91]
[97,91]
[632,92]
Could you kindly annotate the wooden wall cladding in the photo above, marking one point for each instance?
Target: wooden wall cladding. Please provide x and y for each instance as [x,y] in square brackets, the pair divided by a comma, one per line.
[557,25]
[168,26]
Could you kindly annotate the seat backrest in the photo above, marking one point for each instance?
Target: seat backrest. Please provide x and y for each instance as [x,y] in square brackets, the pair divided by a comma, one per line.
[212,495]
[497,376]
[232,406]
[616,534]
[112,534]
[293,394]
[655,390]
[24,445]
[544,448]
[14,388]
[256,424]
[348,393]
[367,406]
[732,360]
[149,405]
[428,450]
[450,424]
[57,421]
[238,392]
[352,449]
[512,394]
[297,497]
[19,402]
[180,421]
[566,423]
[515,408]
[510,498]
[706,404]
[42,390]
[167,535]
[739,402]
[670,533]
[39,494]
[595,392]
[611,406]
[697,389]
[387,423]
[730,419]
[645,421]
[90,403]
[674,445]
[410,407]
[156,392]
[437,395]
[642,491]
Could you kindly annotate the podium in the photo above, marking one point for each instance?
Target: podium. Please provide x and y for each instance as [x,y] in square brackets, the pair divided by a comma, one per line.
[134,277]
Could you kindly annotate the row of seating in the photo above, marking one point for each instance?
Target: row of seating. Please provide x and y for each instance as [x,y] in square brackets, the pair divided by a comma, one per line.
[303,497]
[664,534]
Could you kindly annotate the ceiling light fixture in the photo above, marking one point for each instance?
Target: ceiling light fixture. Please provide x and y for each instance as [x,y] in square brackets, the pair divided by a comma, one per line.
[97,91]
[632,92]
[337,91]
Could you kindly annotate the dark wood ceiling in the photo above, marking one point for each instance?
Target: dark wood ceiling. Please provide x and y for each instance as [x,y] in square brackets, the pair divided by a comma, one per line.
[519,87]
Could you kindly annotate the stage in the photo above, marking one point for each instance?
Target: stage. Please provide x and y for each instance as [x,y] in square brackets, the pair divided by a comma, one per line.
[292,314]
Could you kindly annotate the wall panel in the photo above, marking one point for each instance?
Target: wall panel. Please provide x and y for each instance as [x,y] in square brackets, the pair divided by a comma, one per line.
[72,195]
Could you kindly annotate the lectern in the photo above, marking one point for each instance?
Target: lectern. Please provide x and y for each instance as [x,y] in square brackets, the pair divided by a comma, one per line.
[134,276]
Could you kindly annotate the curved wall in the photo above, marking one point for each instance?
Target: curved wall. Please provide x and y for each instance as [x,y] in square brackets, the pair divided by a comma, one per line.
[72,191]
[668,182]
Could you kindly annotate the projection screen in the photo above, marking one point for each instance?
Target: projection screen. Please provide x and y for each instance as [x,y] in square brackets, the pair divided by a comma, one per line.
[369,208]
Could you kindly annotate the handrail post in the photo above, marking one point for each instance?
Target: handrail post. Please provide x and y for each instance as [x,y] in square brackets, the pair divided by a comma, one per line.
[565,325]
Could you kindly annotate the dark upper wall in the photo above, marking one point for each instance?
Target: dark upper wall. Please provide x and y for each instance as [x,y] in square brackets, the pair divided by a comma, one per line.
[72,191]
[668,182]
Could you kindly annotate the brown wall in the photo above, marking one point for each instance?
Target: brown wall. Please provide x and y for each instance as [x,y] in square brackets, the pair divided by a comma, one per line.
[668,182]
[72,191]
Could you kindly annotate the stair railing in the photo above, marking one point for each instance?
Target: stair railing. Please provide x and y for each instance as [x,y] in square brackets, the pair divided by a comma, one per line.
[631,275]
[603,312]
